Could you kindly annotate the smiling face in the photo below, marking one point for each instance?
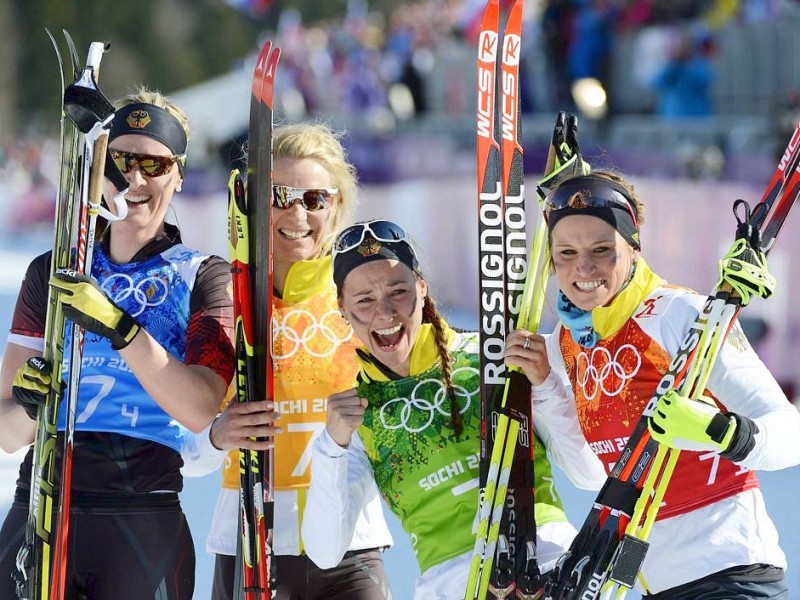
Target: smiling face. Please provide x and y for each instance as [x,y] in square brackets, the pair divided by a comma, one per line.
[298,234]
[592,260]
[148,197]
[383,301]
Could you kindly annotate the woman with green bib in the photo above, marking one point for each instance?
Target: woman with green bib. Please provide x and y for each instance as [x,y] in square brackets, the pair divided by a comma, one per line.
[412,424]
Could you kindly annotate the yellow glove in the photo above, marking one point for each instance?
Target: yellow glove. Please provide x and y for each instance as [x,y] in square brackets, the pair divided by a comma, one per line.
[31,385]
[87,305]
[686,424]
[745,270]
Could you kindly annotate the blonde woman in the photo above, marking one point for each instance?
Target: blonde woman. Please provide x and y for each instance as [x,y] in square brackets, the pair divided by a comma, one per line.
[313,197]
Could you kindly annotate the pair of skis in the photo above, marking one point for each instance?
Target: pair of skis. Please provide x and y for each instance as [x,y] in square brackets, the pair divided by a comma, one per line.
[606,555]
[249,228]
[84,122]
[504,557]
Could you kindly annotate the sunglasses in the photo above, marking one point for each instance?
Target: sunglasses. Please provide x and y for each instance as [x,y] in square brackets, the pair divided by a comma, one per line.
[312,199]
[585,192]
[149,165]
[381,231]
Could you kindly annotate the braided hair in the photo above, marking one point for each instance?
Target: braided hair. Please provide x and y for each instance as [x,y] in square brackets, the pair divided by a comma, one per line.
[431,315]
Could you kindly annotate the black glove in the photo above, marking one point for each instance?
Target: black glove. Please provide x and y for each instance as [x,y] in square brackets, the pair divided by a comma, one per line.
[87,305]
[32,385]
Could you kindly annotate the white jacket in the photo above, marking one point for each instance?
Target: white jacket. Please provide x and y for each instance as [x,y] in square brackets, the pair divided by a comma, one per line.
[201,457]
[735,530]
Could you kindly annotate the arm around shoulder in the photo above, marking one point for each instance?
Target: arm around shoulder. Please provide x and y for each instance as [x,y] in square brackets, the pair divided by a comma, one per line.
[556,423]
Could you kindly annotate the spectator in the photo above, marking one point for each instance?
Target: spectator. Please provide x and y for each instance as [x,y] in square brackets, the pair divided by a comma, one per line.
[683,84]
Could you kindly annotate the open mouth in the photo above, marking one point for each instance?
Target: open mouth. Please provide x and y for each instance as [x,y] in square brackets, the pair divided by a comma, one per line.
[388,339]
[294,235]
[136,200]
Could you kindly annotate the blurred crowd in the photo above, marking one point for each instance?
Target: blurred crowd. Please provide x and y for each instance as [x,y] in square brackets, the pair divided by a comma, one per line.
[29,170]
[381,69]
[367,63]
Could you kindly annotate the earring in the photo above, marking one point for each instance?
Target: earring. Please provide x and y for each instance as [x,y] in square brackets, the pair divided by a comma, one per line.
[345,319]
[178,187]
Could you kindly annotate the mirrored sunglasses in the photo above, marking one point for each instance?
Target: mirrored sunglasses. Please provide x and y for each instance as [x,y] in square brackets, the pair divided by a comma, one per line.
[584,192]
[312,199]
[149,165]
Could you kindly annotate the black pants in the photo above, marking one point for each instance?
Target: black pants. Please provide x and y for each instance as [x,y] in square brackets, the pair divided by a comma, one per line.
[360,576]
[124,554]
[739,583]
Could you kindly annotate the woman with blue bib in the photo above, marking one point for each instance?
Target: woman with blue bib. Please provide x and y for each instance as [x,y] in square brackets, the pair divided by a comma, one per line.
[157,360]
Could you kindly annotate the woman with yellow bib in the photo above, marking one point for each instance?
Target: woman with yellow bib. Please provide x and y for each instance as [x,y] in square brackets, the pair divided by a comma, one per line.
[313,196]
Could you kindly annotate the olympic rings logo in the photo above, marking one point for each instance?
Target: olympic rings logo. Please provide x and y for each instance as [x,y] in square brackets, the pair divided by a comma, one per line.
[601,372]
[397,417]
[150,291]
[319,339]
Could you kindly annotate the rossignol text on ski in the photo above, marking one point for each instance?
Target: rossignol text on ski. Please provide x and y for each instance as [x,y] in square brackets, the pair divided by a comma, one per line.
[504,557]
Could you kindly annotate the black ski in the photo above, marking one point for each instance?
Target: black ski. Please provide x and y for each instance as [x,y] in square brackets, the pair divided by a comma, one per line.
[251,257]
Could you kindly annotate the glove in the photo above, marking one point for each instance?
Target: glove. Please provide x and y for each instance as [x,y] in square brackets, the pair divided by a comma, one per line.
[32,385]
[685,424]
[566,153]
[745,270]
[87,305]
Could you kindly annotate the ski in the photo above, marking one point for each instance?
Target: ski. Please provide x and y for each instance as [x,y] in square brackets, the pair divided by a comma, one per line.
[41,563]
[91,113]
[504,552]
[249,227]
[611,545]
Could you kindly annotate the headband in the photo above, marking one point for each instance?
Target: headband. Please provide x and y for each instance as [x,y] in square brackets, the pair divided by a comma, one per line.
[595,197]
[371,249]
[150,120]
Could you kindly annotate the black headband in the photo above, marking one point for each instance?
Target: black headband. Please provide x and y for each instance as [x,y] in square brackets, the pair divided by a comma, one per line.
[595,197]
[152,121]
[618,218]
[370,249]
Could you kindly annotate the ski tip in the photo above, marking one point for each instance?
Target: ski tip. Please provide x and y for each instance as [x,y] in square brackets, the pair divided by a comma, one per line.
[268,86]
[516,14]
[260,66]
[491,17]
